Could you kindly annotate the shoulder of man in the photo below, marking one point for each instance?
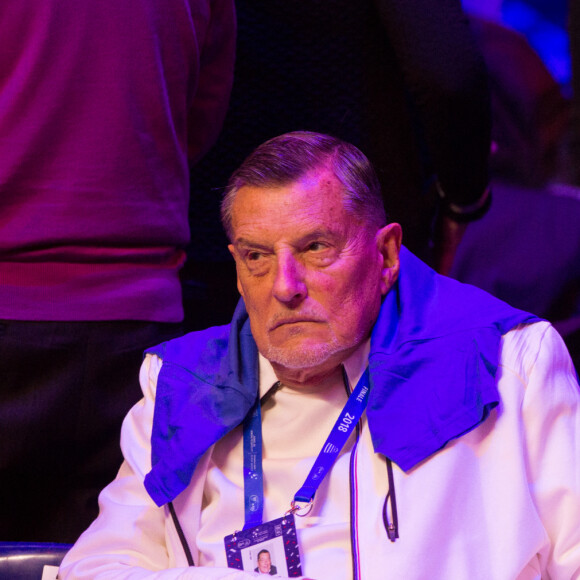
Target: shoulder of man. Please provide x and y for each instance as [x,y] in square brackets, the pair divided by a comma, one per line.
[194,348]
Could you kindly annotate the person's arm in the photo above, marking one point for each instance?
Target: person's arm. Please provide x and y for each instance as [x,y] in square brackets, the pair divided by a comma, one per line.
[447,79]
[132,538]
[216,75]
[446,75]
[551,422]
[447,236]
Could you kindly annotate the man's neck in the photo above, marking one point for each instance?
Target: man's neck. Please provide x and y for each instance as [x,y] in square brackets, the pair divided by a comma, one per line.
[310,382]
[315,379]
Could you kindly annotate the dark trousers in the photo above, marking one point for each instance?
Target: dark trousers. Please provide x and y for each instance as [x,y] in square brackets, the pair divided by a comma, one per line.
[64,390]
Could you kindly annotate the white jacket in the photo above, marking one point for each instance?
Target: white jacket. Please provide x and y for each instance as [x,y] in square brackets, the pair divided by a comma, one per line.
[500,503]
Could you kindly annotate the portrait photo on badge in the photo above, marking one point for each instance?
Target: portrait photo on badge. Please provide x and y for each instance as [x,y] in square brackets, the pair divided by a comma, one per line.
[270,549]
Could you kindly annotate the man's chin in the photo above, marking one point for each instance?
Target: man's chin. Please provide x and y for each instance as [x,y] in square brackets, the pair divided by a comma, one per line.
[306,355]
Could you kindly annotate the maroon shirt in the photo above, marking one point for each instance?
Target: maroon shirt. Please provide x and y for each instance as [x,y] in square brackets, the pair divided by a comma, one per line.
[102,105]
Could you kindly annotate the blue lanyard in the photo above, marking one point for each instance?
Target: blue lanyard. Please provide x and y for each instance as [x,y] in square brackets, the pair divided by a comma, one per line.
[253,476]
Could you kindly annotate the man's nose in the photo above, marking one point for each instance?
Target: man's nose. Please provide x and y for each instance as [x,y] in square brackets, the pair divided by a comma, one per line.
[289,283]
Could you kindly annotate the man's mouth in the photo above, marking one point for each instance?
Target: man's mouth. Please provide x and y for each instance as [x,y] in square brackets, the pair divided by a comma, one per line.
[291,320]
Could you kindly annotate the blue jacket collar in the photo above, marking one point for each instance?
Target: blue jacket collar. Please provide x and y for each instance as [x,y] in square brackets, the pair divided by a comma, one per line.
[433,359]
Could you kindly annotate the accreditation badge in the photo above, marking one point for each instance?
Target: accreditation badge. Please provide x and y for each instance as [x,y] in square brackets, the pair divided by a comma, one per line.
[269,549]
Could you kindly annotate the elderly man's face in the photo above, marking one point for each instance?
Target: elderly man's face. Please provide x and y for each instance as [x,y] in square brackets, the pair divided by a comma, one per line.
[264,563]
[312,276]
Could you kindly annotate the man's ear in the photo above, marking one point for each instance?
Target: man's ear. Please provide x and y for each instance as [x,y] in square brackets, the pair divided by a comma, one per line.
[389,241]
[233,252]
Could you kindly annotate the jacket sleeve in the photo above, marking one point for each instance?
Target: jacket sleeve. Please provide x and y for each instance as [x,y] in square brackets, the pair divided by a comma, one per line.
[551,420]
[132,538]
[446,75]
[216,77]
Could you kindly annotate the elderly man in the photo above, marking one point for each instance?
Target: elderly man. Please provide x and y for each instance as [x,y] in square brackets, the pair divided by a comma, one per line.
[419,427]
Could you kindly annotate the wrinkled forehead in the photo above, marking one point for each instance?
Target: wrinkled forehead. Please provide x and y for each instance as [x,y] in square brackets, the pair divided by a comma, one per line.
[316,196]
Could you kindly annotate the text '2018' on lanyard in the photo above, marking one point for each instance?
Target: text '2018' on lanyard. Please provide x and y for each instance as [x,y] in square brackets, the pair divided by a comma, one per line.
[253,475]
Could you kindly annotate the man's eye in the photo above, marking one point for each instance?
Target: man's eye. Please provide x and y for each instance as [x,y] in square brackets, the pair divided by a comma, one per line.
[316,246]
[254,256]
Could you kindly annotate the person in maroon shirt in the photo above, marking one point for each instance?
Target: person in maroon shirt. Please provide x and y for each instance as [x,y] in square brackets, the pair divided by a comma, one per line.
[103,107]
